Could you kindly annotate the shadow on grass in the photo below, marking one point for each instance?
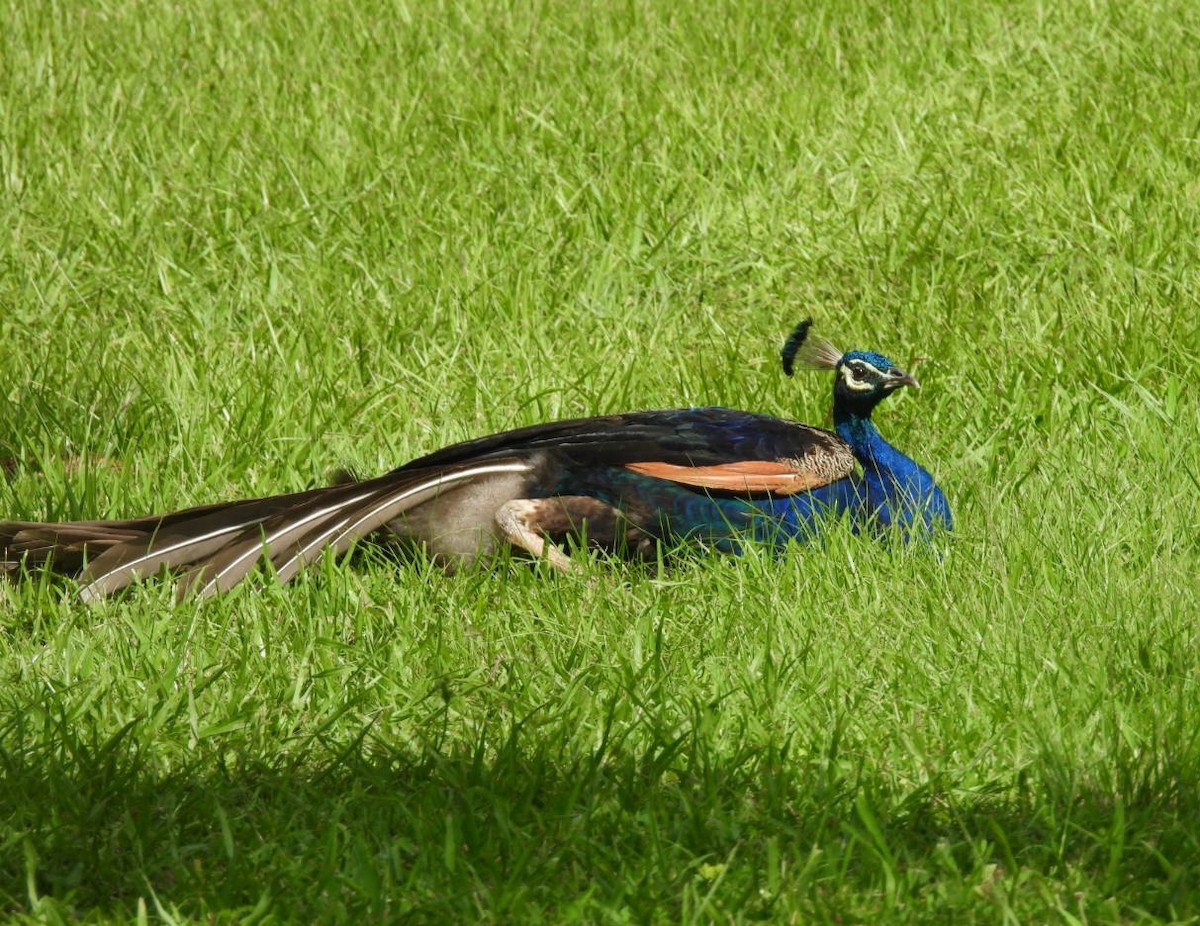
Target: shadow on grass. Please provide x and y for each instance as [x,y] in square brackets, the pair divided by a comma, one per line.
[517,822]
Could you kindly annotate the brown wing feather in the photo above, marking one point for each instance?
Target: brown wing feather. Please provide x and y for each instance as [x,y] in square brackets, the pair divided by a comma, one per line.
[779,477]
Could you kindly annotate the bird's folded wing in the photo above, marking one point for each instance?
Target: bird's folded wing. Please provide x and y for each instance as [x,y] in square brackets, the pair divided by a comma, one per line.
[748,476]
[689,437]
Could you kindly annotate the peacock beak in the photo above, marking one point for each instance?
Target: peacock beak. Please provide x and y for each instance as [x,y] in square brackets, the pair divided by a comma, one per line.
[897,378]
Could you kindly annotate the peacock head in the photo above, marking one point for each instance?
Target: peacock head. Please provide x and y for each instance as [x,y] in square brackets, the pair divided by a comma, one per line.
[863,378]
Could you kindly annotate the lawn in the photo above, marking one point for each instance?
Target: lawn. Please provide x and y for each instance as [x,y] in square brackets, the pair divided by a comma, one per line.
[243,245]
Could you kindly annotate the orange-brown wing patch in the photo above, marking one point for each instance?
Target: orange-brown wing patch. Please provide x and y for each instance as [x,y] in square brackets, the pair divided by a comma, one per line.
[743,476]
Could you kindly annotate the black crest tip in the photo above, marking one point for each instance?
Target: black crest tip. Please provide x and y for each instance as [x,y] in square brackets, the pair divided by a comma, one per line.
[793,344]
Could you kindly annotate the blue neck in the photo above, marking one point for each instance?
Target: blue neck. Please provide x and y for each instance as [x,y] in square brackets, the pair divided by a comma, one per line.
[873,452]
[897,488]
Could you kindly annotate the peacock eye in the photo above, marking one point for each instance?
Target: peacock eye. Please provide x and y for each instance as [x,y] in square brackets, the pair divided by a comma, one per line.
[858,373]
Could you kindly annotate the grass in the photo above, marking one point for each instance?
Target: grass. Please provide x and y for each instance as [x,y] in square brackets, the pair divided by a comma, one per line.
[243,245]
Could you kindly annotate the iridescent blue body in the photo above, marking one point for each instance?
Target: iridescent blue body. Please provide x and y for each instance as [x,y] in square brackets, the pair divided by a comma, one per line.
[892,490]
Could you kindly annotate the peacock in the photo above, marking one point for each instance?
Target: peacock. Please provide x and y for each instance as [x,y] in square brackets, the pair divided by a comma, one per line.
[629,484]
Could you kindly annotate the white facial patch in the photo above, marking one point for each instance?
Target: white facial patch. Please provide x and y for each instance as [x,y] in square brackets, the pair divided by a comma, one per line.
[860,376]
